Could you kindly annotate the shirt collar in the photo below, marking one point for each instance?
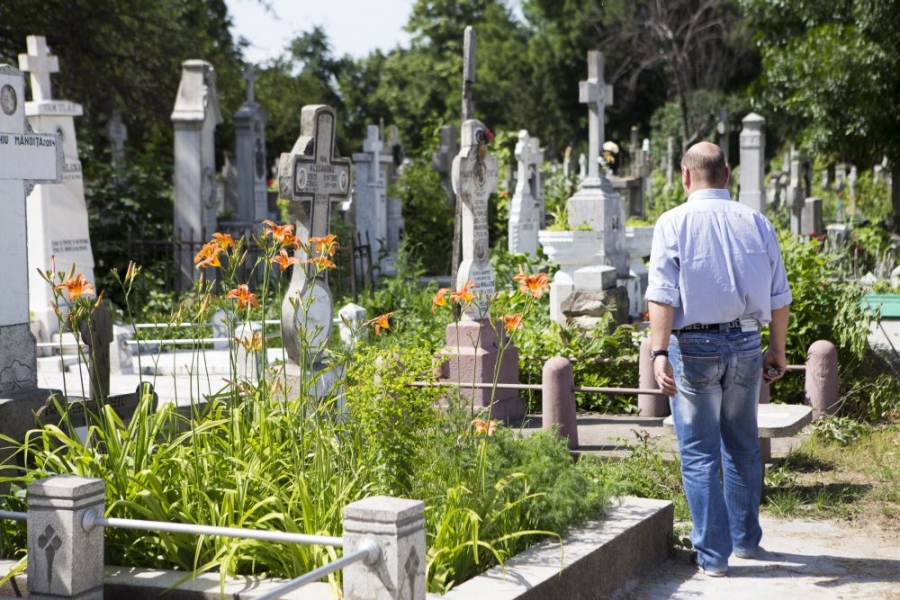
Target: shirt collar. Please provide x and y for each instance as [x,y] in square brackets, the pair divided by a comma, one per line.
[710,194]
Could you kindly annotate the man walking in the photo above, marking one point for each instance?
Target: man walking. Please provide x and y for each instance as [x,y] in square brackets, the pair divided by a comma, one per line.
[716,276]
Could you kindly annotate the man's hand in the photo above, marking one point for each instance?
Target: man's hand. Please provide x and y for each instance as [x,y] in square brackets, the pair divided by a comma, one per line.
[662,372]
[774,364]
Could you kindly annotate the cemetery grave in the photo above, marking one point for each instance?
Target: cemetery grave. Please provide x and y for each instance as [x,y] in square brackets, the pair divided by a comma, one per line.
[425,389]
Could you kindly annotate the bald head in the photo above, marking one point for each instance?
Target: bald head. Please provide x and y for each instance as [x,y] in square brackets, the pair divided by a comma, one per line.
[703,167]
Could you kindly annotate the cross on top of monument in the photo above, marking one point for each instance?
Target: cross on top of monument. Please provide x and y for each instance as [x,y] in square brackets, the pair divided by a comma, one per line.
[312,175]
[597,95]
[523,156]
[373,142]
[40,64]
[250,77]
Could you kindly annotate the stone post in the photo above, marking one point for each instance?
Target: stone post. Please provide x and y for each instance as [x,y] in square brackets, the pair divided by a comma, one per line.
[398,527]
[558,399]
[649,405]
[64,560]
[753,163]
[822,379]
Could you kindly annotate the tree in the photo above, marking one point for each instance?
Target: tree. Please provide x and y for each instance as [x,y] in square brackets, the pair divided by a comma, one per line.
[830,73]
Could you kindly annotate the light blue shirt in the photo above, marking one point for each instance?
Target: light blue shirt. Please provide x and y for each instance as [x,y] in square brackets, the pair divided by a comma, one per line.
[716,260]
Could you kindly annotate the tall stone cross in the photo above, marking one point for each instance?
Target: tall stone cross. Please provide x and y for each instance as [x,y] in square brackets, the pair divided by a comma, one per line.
[40,64]
[468,102]
[26,158]
[597,95]
[313,177]
[523,218]
[250,77]
[474,179]
[523,157]
[373,145]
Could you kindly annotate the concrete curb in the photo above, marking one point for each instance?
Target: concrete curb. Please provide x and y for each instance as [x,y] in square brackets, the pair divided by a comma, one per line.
[598,560]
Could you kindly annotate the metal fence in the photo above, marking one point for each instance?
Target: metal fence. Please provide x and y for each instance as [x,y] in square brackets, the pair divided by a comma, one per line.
[383,542]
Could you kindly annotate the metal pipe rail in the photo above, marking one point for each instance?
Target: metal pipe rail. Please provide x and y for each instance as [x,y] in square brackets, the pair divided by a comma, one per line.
[13,516]
[92,519]
[533,386]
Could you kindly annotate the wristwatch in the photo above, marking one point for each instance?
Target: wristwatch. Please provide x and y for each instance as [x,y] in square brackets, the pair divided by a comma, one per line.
[655,353]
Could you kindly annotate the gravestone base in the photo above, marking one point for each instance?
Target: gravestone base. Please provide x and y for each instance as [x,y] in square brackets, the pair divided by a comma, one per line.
[17,411]
[473,349]
[587,307]
[322,383]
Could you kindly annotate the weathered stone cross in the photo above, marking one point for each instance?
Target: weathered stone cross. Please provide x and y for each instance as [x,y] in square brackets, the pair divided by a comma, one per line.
[597,95]
[25,158]
[312,176]
[250,77]
[474,180]
[40,64]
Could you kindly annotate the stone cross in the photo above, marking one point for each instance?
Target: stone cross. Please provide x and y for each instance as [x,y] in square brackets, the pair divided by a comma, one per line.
[117,134]
[250,77]
[442,160]
[373,145]
[40,64]
[313,177]
[523,219]
[474,179]
[597,95]
[98,334]
[25,158]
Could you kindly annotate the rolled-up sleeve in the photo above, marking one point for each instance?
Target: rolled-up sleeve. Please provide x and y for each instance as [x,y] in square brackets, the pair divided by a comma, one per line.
[663,273]
[781,291]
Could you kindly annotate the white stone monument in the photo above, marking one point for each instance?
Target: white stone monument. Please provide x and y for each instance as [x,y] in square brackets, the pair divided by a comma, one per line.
[753,163]
[57,214]
[250,154]
[195,118]
[26,158]
[524,221]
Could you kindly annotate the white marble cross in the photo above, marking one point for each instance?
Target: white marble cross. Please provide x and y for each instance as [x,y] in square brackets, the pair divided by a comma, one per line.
[597,95]
[40,64]
[25,158]
[373,145]
[523,156]
[474,180]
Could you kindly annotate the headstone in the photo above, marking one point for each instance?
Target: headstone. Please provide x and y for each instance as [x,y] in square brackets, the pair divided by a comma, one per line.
[753,150]
[229,183]
[796,195]
[670,163]
[523,218]
[195,118]
[26,158]
[375,220]
[723,130]
[117,134]
[811,223]
[57,214]
[313,177]
[852,178]
[250,153]
[442,160]
[474,180]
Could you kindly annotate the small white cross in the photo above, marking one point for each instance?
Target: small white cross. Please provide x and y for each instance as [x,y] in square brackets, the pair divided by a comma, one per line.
[40,64]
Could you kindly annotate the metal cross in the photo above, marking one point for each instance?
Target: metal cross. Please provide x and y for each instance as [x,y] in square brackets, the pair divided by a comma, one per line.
[40,64]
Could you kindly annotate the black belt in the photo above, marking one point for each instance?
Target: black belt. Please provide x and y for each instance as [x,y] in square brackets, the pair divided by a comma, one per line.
[736,324]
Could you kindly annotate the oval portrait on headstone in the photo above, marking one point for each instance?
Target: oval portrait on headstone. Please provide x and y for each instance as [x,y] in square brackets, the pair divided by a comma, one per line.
[480,173]
[480,252]
[8,99]
[300,179]
[342,181]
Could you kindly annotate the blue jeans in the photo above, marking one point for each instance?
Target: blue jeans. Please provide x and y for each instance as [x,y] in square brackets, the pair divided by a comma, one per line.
[718,375]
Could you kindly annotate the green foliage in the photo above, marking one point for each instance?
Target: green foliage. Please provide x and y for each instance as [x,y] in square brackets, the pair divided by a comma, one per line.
[557,190]
[839,430]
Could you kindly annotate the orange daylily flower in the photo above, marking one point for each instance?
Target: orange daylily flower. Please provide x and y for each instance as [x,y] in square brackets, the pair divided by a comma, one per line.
[224,240]
[382,322]
[243,295]
[325,245]
[283,234]
[535,284]
[321,263]
[464,294]
[208,255]
[251,344]
[484,427]
[76,286]
[284,261]
[440,299]
[512,322]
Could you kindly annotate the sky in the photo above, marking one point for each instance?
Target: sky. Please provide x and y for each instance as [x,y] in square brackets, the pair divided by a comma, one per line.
[354,27]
